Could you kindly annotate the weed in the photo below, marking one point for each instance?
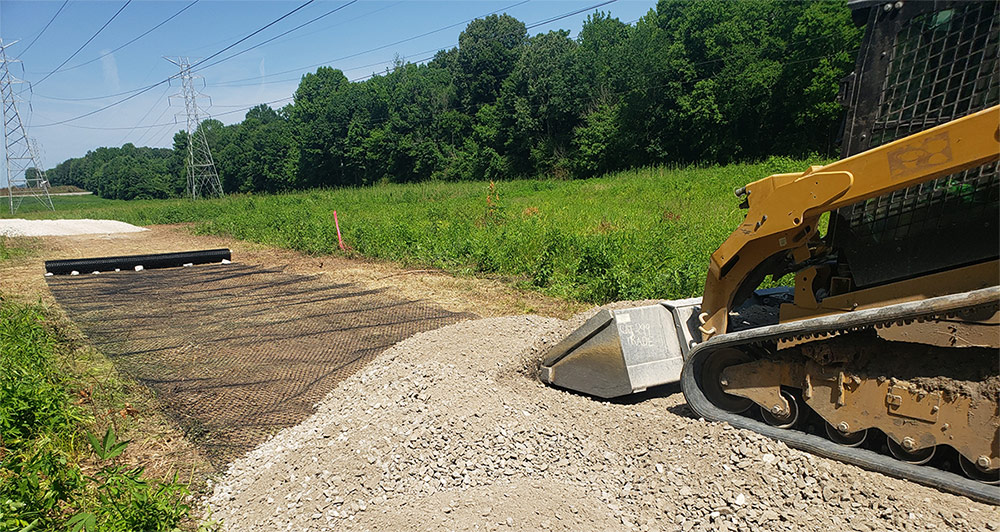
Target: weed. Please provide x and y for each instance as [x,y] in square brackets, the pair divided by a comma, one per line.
[10,251]
[42,483]
[127,501]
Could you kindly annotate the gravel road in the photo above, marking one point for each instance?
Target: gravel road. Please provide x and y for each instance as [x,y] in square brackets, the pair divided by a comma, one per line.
[21,227]
[450,430]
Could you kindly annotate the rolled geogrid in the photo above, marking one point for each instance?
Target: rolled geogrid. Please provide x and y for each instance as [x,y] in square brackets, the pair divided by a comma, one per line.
[160,260]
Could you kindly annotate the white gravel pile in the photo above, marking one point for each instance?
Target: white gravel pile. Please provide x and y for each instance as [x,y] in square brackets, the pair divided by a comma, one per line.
[21,227]
[449,430]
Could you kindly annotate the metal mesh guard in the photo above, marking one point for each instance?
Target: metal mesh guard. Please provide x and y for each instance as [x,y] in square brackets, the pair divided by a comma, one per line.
[943,65]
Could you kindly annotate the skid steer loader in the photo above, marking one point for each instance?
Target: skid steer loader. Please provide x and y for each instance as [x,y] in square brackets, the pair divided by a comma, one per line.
[885,352]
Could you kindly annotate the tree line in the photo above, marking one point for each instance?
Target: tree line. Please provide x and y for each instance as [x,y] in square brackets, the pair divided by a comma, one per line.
[690,82]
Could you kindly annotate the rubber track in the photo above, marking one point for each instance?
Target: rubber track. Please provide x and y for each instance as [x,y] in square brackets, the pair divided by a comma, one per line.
[849,322]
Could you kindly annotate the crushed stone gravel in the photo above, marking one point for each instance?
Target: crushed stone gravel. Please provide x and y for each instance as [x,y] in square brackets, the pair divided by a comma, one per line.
[21,227]
[450,430]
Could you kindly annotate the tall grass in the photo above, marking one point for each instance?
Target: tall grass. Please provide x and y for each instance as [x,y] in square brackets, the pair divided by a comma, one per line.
[44,446]
[638,234]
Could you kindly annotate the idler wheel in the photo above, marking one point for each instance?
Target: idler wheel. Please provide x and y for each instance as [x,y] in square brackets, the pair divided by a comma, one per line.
[977,472]
[711,380]
[783,420]
[849,439]
[918,457]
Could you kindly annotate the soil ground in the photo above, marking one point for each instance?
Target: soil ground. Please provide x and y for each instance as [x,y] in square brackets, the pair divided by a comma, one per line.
[487,297]
[450,430]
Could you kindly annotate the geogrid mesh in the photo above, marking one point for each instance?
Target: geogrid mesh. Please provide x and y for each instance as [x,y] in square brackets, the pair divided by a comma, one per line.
[237,352]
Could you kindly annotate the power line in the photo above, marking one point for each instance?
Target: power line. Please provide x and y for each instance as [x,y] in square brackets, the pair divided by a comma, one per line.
[299,69]
[92,37]
[146,132]
[150,110]
[304,24]
[345,21]
[147,32]
[105,97]
[285,80]
[533,25]
[157,26]
[246,107]
[536,24]
[236,83]
[147,88]
[560,17]
[268,25]
[527,27]
[49,23]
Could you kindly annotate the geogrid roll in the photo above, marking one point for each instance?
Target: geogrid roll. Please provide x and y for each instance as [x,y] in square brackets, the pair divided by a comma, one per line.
[129,262]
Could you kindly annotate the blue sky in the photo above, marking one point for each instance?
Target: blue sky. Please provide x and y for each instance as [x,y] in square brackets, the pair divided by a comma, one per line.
[346,39]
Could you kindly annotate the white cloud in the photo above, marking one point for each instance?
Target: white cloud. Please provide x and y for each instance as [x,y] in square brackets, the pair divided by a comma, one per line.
[110,68]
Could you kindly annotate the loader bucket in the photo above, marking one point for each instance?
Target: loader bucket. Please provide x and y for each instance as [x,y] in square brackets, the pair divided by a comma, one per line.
[619,352]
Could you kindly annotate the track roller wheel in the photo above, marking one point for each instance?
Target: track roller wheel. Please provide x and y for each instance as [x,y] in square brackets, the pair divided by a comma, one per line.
[711,380]
[918,457]
[785,420]
[848,439]
[975,472]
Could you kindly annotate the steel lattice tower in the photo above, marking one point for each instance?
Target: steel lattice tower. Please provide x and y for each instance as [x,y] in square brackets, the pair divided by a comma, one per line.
[25,177]
[202,177]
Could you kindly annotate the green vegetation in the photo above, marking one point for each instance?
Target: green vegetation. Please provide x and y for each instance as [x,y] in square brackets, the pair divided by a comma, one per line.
[632,235]
[30,205]
[124,173]
[9,251]
[51,476]
[708,82]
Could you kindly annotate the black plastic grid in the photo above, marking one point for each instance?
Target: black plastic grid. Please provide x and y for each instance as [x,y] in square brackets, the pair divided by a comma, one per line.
[236,352]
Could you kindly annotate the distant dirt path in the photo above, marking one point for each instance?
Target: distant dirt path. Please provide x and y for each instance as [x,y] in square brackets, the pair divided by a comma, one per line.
[23,277]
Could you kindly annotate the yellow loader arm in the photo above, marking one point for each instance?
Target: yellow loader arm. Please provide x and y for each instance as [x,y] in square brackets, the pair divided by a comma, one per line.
[784,209]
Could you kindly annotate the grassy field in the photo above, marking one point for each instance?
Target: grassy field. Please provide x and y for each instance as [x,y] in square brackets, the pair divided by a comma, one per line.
[639,234]
[31,205]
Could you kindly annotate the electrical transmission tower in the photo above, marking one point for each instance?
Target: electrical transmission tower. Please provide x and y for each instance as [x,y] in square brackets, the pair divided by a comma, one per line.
[202,177]
[25,177]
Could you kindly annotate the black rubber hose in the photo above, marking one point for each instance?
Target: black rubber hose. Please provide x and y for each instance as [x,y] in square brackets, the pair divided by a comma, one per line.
[161,260]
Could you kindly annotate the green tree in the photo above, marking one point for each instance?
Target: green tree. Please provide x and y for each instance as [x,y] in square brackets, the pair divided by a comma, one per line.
[542,102]
[487,51]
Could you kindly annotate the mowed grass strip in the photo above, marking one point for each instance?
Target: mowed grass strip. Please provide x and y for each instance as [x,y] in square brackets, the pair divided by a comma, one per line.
[640,234]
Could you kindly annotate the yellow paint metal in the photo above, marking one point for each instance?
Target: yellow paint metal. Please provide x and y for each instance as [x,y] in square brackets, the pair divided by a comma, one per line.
[897,408]
[784,209]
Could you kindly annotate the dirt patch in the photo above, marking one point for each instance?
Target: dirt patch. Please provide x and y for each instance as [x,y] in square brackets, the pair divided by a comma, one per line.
[448,431]
[23,277]
[970,371]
